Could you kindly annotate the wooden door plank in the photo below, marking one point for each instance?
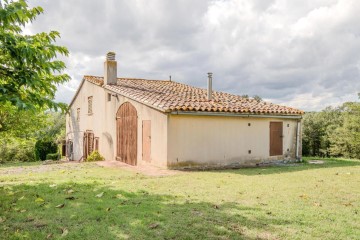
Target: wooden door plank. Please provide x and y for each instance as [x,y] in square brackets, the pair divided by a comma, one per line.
[276,138]
[146,140]
[127,133]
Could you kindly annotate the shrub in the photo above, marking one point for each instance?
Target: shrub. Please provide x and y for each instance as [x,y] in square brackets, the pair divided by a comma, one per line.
[53,156]
[14,149]
[43,147]
[95,156]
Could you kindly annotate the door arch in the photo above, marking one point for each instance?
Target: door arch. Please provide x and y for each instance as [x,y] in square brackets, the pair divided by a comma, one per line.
[126,132]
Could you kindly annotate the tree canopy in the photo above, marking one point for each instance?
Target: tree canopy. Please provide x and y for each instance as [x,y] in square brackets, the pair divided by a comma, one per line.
[29,69]
[333,132]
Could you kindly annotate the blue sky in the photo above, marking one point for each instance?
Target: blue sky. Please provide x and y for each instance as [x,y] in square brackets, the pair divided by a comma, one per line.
[300,53]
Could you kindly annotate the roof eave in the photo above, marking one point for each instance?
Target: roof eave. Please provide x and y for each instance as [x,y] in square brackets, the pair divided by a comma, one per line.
[134,99]
[232,114]
[79,88]
[77,92]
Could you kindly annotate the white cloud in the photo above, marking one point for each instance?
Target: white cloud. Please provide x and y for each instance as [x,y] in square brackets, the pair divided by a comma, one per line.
[302,53]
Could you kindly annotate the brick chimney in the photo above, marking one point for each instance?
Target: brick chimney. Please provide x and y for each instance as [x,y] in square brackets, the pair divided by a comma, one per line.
[110,69]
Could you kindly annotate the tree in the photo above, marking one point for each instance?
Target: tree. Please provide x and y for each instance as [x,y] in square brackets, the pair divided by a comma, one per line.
[313,132]
[19,123]
[257,98]
[345,140]
[20,130]
[317,128]
[333,132]
[29,71]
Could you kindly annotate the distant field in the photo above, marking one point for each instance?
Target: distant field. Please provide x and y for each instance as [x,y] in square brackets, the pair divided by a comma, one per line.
[85,201]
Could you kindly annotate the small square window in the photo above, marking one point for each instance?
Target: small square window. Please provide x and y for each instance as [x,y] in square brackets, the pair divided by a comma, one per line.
[249,124]
[90,101]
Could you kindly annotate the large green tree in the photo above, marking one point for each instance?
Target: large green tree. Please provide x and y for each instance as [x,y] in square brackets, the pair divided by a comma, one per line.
[345,139]
[20,130]
[29,69]
[19,123]
[333,132]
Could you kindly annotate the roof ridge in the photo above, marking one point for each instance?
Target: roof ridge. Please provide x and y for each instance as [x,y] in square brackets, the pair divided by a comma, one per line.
[175,96]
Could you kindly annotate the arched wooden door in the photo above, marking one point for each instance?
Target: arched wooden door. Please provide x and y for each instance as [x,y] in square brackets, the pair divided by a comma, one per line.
[126,131]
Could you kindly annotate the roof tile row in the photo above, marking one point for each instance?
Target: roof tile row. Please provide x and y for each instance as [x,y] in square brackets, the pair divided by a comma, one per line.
[173,96]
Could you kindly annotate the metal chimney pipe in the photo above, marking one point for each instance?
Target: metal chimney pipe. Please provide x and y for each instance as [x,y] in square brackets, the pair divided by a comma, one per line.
[209,90]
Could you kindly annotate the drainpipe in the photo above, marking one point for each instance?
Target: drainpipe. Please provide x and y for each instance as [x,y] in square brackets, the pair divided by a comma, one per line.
[298,139]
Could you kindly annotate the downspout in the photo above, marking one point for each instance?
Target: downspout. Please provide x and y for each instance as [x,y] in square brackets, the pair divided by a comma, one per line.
[298,140]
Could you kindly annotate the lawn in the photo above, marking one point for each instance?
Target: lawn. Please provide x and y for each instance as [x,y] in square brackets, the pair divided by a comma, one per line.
[86,201]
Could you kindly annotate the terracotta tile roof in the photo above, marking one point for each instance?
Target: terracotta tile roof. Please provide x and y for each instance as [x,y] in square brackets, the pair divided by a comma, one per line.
[171,96]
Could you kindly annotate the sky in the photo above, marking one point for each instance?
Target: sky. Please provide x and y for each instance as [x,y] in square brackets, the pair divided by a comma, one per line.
[300,53]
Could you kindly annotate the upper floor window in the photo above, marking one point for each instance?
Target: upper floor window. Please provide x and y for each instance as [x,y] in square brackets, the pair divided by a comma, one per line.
[78,114]
[90,102]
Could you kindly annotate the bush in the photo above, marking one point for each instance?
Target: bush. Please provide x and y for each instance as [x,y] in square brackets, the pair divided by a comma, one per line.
[42,148]
[95,156]
[14,149]
[53,156]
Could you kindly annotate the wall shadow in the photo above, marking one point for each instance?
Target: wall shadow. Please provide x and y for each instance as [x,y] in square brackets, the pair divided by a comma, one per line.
[91,211]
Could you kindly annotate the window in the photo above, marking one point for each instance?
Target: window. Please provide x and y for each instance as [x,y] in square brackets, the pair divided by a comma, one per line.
[90,101]
[109,97]
[78,114]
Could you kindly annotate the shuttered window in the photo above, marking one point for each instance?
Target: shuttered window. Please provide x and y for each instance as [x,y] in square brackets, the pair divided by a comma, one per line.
[90,102]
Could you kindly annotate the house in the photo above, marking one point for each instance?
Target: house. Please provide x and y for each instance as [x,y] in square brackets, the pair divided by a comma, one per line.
[174,125]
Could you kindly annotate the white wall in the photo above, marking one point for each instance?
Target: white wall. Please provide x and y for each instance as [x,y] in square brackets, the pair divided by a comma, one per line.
[74,129]
[204,140]
[103,123]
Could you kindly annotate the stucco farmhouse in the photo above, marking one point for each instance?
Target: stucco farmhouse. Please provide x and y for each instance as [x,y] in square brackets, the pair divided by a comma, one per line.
[174,125]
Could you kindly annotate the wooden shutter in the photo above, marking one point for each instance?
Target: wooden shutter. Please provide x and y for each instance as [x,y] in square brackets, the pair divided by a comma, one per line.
[88,144]
[96,145]
[146,140]
[276,138]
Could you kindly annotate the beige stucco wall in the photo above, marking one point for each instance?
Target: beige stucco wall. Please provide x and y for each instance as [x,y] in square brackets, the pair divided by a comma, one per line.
[216,140]
[158,130]
[74,129]
[103,124]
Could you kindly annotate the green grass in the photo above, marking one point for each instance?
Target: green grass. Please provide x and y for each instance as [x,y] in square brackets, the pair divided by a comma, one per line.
[304,201]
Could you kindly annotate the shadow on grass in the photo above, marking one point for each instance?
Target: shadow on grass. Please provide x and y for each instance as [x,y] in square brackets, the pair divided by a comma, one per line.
[292,167]
[94,212]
